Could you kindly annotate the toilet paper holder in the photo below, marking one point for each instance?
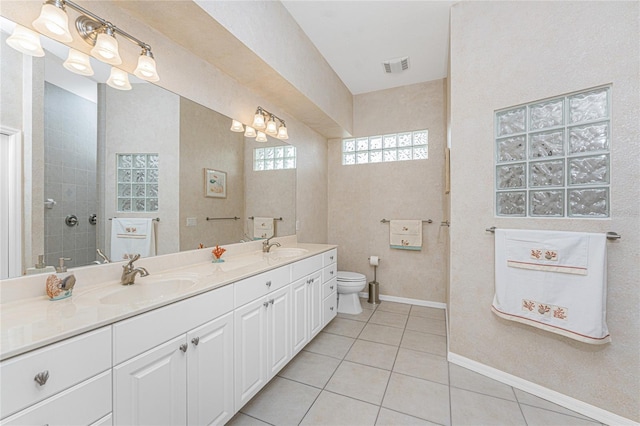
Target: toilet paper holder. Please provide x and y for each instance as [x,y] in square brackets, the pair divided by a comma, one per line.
[374,286]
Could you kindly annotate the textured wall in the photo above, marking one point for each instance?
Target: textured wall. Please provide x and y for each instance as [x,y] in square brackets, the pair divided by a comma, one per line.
[361,195]
[508,53]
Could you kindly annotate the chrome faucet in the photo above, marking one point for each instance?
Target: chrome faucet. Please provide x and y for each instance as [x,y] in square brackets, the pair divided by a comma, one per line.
[129,272]
[266,246]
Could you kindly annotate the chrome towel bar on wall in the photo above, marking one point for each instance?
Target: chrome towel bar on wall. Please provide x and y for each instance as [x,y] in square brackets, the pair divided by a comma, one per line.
[424,221]
[610,235]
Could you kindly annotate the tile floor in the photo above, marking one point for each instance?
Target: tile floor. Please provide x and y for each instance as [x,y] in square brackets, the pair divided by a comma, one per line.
[388,366]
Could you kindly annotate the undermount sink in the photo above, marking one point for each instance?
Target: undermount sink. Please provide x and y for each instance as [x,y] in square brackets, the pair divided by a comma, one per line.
[283,252]
[148,291]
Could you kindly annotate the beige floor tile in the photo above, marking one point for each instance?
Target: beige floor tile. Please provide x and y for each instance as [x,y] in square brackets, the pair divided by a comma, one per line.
[281,402]
[528,399]
[416,397]
[344,327]
[373,354]
[466,379]
[241,419]
[363,316]
[338,410]
[427,312]
[540,417]
[389,319]
[388,417]
[310,368]
[470,408]
[422,365]
[359,381]
[427,325]
[398,308]
[330,344]
[424,342]
[382,334]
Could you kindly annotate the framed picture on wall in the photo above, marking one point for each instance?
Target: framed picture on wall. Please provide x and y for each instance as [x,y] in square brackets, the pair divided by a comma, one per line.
[215,183]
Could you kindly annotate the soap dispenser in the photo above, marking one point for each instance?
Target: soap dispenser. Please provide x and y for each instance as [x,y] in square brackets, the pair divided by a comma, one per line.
[60,285]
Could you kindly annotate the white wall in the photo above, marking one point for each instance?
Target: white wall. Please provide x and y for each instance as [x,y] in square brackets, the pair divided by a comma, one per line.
[508,53]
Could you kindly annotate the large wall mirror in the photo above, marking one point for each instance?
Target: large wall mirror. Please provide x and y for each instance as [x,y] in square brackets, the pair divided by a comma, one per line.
[79,138]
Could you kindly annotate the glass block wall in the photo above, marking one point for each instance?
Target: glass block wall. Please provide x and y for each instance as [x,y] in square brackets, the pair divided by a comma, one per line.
[552,157]
[137,182]
[274,158]
[385,148]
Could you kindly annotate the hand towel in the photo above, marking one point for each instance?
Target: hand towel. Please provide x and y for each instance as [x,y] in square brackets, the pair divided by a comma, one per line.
[553,280]
[405,234]
[263,227]
[131,236]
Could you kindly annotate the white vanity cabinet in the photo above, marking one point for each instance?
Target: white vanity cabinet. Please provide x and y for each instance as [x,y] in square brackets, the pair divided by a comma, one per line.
[329,286]
[306,290]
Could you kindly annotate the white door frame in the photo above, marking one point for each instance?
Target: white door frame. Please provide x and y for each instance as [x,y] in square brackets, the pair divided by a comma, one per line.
[10,203]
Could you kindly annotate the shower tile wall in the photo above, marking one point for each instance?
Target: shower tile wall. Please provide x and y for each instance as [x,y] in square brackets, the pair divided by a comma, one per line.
[70,175]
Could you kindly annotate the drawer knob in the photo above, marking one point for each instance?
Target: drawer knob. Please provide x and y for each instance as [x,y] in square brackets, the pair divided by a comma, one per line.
[268,283]
[331,257]
[331,308]
[331,287]
[331,272]
[266,304]
[184,347]
[41,378]
[195,341]
[271,301]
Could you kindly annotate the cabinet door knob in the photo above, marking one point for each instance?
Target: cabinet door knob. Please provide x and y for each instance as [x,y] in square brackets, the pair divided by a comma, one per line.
[195,341]
[41,378]
[184,347]
[331,272]
[331,287]
[268,283]
[331,308]
[266,304]
[331,257]
[271,301]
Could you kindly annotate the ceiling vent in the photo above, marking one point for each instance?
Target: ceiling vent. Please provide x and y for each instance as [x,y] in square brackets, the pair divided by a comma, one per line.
[394,66]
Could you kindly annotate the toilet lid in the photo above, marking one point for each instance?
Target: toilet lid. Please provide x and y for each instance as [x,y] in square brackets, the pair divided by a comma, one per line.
[345,276]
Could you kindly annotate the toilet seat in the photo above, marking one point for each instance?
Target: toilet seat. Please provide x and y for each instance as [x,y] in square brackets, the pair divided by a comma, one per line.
[345,276]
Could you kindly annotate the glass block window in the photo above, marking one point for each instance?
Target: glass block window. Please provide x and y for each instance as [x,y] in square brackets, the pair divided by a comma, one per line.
[384,148]
[274,158]
[137,182]
[552,157]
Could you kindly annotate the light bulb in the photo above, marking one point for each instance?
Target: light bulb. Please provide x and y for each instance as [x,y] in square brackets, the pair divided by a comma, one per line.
[282,133]
[106,48]
[146,69]
[258,121]
[236,126]
[54,22]
[272,127]
[26,41]
[119,79]
[78,63]
[250,132]
[261,137]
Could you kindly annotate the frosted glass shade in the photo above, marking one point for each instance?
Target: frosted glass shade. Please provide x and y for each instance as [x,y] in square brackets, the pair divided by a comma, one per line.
[272,127]
[261,137]
[106,49]
[236,126]
[119,79]
[53,22]
[282,133]
[78,63]
[258,121]
[250,132]
[26,41]
[146,69]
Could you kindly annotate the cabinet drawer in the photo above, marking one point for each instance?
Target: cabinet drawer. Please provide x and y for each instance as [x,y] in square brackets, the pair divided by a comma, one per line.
[68,363]
[330,308]
[82,404]
[257,286]
[136,335]
[329,257]
[330,272]
[305,267]
[329,287]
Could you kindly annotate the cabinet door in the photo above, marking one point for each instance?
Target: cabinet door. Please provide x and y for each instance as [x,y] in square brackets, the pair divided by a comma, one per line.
[279,335]
[250,349]
[210,372]
[151,389]
[299,315]
[315,303]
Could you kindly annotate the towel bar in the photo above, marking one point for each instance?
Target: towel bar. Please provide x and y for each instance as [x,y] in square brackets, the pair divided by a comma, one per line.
[157,219]
[275,218]
[223,218]
[610,235]
[387,221]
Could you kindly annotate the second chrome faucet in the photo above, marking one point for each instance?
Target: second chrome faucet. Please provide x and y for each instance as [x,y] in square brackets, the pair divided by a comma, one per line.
[129,272]
[266,246]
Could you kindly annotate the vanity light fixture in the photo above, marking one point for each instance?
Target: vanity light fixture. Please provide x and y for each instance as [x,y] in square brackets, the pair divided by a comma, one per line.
[78,63]
[272,127]
[106,47]
[264,122]
[258,120]
[261,137]
[250,132]
[25,41]
[282,132]
[119,79]
[53,21]
[146,69]
[236,126]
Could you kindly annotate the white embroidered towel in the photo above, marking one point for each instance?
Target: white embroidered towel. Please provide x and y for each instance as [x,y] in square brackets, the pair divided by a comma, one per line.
[262,227]
[131,236]
[405,234]
[562,288]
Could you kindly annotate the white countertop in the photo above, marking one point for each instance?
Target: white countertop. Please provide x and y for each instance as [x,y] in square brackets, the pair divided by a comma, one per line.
[33,322]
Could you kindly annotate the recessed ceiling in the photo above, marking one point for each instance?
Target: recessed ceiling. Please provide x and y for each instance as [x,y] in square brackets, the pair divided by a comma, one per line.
[356,37]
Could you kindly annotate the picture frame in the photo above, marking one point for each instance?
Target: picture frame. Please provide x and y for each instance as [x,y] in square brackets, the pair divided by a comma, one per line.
[215,183]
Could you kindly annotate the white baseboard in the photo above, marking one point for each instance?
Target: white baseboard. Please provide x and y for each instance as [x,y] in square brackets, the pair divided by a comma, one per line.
[407,300]
[573,404]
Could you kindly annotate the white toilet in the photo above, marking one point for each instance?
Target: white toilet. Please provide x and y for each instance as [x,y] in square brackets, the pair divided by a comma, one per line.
[349,285]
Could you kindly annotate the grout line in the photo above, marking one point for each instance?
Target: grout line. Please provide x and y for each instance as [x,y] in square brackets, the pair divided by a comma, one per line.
[519,406]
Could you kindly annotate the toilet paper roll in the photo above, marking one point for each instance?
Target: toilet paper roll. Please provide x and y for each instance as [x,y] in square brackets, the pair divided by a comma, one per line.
[374,261]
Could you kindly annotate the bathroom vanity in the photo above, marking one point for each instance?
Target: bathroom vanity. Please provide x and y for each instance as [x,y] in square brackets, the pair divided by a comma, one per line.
[186,345]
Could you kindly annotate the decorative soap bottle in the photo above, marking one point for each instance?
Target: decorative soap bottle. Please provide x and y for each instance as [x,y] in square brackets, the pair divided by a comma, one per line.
[217,254]
[60,285]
